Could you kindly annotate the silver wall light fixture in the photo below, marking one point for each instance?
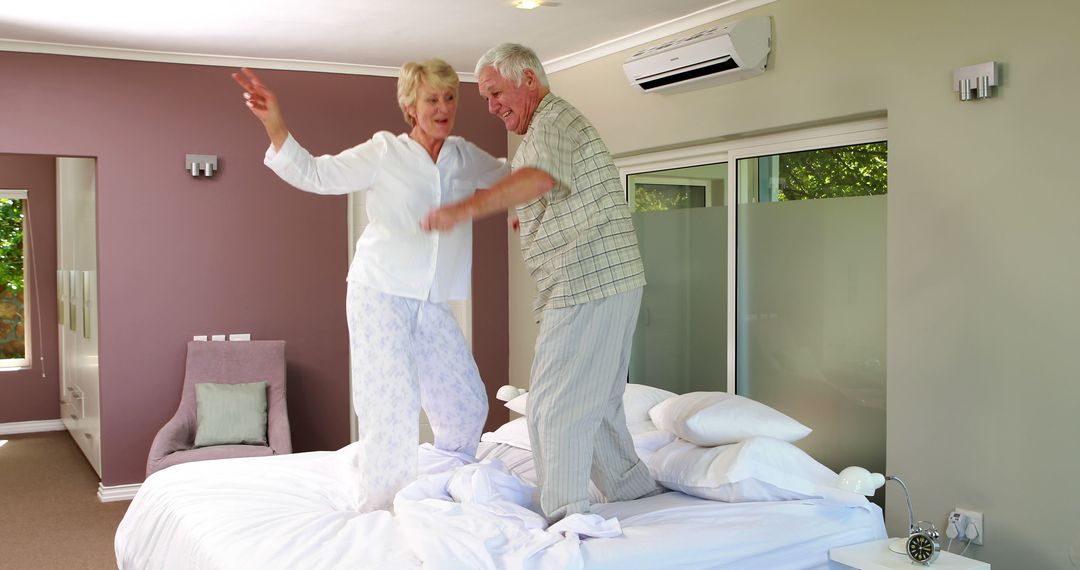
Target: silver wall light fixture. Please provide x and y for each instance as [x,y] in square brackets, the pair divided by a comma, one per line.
[976,81]
[201,164]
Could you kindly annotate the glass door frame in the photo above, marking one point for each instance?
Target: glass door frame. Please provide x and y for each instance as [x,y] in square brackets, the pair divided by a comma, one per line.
[731,151]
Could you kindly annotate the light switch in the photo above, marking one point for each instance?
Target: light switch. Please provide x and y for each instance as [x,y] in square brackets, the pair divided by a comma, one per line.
[240,336]
[217,337]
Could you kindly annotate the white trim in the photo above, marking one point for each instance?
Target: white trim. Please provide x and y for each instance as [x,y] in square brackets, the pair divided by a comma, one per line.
[204,59]
[679,25]
[14,194]
[762,145]
[14,428]
[114,493]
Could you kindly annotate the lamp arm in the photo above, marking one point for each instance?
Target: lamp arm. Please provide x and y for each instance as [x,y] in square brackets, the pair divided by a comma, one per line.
[907,496]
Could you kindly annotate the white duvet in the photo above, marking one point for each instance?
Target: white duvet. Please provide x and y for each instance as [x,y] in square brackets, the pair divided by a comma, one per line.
[297,512]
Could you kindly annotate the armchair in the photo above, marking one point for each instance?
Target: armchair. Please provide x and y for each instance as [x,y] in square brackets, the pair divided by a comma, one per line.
[231,362]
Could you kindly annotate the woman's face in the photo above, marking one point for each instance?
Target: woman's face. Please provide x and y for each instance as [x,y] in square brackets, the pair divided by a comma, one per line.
[434,111]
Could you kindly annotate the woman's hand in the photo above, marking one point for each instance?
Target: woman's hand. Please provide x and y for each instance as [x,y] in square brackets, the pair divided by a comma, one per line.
[445,218]
[264,105]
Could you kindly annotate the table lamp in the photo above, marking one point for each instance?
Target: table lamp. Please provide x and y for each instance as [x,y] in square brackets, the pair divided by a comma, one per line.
[922,545]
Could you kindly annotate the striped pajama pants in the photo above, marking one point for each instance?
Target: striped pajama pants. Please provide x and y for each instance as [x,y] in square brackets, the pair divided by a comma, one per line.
[407,354]
[577,425]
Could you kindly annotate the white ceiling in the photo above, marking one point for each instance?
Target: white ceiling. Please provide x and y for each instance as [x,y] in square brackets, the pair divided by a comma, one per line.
[348,36]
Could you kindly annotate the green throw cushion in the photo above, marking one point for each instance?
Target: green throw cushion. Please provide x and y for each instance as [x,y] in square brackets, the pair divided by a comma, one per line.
[230,414]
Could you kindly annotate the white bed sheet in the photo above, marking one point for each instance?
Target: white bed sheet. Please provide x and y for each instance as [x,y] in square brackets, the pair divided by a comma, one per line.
[674,530]
[297,511]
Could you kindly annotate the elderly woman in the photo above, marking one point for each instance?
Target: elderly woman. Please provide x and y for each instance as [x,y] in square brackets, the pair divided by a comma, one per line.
[407,350]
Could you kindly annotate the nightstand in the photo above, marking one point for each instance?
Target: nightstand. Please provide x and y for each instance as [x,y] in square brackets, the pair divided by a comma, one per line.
[877,556]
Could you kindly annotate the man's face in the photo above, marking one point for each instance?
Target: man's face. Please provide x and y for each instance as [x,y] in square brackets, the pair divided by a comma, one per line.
[513,104]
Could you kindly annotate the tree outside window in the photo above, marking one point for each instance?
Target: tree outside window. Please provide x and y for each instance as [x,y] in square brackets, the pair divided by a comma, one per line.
[12,290]
[856,170]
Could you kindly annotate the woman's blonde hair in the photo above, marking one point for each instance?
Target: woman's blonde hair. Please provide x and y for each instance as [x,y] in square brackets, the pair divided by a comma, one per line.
[434,73]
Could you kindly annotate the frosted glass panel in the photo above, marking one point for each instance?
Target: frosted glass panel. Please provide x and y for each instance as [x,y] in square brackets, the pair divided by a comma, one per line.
[810,300]
[680,342]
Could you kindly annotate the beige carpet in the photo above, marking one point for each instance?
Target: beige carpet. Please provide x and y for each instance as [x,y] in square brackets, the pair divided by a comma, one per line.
[50,516]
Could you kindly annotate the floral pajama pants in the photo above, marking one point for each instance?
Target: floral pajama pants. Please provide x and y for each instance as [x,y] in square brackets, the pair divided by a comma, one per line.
[407,354]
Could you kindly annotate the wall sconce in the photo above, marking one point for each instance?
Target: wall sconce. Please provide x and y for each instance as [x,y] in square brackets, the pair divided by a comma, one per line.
[205,164]
[975,81]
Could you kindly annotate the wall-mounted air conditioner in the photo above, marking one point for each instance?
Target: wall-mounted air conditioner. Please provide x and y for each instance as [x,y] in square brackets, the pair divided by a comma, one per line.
[734,51]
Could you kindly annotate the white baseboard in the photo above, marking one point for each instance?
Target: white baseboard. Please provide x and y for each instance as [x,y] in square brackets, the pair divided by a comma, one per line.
[114,493]
[14,428]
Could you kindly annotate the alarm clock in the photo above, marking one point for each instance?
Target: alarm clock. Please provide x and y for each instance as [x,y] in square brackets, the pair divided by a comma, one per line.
[923,545]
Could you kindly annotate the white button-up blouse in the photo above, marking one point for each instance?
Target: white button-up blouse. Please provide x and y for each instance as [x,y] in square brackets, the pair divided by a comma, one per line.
[394,255]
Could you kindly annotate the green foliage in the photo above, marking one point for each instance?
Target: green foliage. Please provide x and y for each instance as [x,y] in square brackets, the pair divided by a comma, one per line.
[11,244]
[652,198]
[858,170]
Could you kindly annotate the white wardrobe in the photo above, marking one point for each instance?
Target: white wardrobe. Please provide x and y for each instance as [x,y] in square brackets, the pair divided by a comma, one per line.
[80,402]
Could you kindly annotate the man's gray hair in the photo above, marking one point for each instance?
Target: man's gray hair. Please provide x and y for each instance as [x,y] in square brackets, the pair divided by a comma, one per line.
[511,61]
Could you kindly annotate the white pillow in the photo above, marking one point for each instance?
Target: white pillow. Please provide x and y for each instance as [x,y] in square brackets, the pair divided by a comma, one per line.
[518,403]
[638,399]
[756,469]
[649,441]
[515,433]
[719,418]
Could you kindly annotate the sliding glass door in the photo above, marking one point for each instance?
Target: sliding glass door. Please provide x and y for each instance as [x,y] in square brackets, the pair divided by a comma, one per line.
[810,295]
[765,262]
[681,221]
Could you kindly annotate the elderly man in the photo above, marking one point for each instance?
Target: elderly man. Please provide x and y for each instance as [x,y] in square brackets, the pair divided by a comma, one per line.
[579,245]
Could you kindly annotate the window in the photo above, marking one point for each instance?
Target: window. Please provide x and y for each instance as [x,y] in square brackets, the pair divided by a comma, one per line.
[810,300]
[14,352]
[765,262]
[680,340]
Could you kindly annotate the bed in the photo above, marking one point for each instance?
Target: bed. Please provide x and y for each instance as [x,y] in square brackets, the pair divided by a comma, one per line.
[296,511]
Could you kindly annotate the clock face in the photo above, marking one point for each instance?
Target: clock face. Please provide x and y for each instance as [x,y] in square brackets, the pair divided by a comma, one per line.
[921,549]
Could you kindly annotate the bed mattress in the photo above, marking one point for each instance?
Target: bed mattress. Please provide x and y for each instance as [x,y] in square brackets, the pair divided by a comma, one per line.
[297,511]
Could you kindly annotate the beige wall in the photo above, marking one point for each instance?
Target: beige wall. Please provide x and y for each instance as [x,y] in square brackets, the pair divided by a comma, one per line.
[982,236]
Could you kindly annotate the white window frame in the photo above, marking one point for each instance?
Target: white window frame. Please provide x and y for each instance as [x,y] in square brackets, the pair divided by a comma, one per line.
[730,152]
[9,364]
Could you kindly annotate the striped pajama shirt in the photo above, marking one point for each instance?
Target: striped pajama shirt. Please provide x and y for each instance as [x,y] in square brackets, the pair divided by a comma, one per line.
[579,244]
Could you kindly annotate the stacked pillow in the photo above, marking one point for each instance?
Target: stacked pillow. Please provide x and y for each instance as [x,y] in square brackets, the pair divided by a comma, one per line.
[717,418]
[638,399]
[715,445]
[734,449]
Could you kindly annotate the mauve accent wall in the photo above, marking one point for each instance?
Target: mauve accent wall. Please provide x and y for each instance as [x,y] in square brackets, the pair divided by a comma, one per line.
[241,252]
[24,394]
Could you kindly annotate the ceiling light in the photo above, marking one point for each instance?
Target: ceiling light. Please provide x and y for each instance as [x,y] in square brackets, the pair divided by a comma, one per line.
[527,4]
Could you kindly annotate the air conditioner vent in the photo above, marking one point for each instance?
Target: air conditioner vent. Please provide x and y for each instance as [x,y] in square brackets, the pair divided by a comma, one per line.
[690,72]
[708,57]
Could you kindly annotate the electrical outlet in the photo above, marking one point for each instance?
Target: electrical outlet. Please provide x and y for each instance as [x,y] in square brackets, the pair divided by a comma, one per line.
[973,518]
[955,525]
